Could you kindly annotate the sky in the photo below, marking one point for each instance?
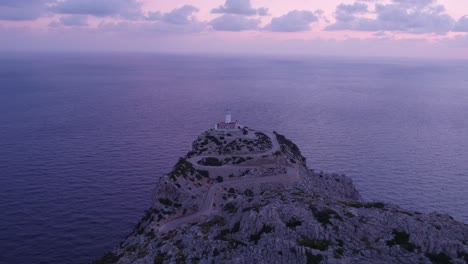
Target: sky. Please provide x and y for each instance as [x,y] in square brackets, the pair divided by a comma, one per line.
[385,28]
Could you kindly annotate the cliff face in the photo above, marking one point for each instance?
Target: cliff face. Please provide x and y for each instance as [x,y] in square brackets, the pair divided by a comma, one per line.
[248,196]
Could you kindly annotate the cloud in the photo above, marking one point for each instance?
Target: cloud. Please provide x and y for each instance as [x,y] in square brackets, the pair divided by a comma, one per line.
[145,28]
[154,16]
[461,25]
[180,16]
[355,8]
[293,21]
[234,23]
[415,3]
[22,9]
[408,16]
[70,21]
[240,7]
[179,20]
[129,9]
[74,20]
[348,12]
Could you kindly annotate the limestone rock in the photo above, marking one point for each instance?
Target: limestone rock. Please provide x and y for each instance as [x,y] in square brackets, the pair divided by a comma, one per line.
[248,197]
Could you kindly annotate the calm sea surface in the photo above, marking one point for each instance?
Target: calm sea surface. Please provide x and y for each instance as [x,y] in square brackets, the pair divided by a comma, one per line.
[84,137]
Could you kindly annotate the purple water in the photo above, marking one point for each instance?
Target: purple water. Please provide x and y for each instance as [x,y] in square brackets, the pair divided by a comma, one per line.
[83,137]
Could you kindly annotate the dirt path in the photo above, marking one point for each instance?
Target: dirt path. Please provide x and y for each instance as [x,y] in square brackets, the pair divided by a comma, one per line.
[291,176]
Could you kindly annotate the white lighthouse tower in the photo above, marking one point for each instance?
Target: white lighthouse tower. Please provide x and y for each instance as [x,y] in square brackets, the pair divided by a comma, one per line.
[228,117]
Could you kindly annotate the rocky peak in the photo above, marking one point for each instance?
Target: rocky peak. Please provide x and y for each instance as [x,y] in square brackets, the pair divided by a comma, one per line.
[247,196]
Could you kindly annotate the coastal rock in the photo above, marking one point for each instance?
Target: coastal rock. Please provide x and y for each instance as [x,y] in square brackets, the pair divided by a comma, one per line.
[247,196]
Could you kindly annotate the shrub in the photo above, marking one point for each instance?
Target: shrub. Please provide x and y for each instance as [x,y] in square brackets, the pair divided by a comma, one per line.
[463,255]
[236,227]
[378,205]
[440,258]
[210,162]
[325,215]
[203,173]
[293,147]
[314,243]
[108,258]
[248,192]
[338,253]
[402,239]
[293,223]
[219,179]
[265,230]
[166,201]
[230,208]
[222,234]
[313,259]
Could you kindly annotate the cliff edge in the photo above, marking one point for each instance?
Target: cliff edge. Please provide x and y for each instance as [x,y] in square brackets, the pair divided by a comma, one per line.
[247,196]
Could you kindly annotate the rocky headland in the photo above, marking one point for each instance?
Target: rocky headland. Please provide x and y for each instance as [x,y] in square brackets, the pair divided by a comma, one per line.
[247,196]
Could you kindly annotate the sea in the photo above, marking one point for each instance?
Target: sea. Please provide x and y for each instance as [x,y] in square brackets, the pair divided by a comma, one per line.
[84,137]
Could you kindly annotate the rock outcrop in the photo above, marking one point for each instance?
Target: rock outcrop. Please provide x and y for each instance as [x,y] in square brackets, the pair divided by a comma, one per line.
[249,197]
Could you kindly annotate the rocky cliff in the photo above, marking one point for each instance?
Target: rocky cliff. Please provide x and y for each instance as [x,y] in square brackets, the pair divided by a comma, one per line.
[248,197]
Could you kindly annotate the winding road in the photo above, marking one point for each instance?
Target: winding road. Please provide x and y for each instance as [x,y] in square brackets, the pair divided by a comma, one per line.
[275,147]
[291,176]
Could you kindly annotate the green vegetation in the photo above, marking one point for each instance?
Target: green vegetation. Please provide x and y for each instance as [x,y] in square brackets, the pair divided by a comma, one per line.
[210,161]
[464,256]
[249,193]
[161,257]
[202,173]
[191,153]
[338,253]
[166,201]
[151,234]
[293,223]
[263,139]
[378,205]
[232,243]
[366,241]
[108,258]
[182,167]
[402,239]
[325,215]
[265,230]
[214,139]
[219,179]
[313,259]
[217,220]
[284,142]
[195,260]
[230,208]
[255,207]
[149,215]
[236,227]
[239,160]
[440,258]
[222,234]
[321,245]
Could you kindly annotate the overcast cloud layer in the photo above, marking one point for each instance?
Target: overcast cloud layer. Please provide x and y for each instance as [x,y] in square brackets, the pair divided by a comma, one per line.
[376,18]
[407,16]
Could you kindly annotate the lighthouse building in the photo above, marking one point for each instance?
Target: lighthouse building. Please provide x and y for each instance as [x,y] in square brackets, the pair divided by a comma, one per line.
[228,124]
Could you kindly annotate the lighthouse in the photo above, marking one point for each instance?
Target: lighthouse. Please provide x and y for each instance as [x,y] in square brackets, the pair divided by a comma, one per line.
[228,117]
[228,124]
